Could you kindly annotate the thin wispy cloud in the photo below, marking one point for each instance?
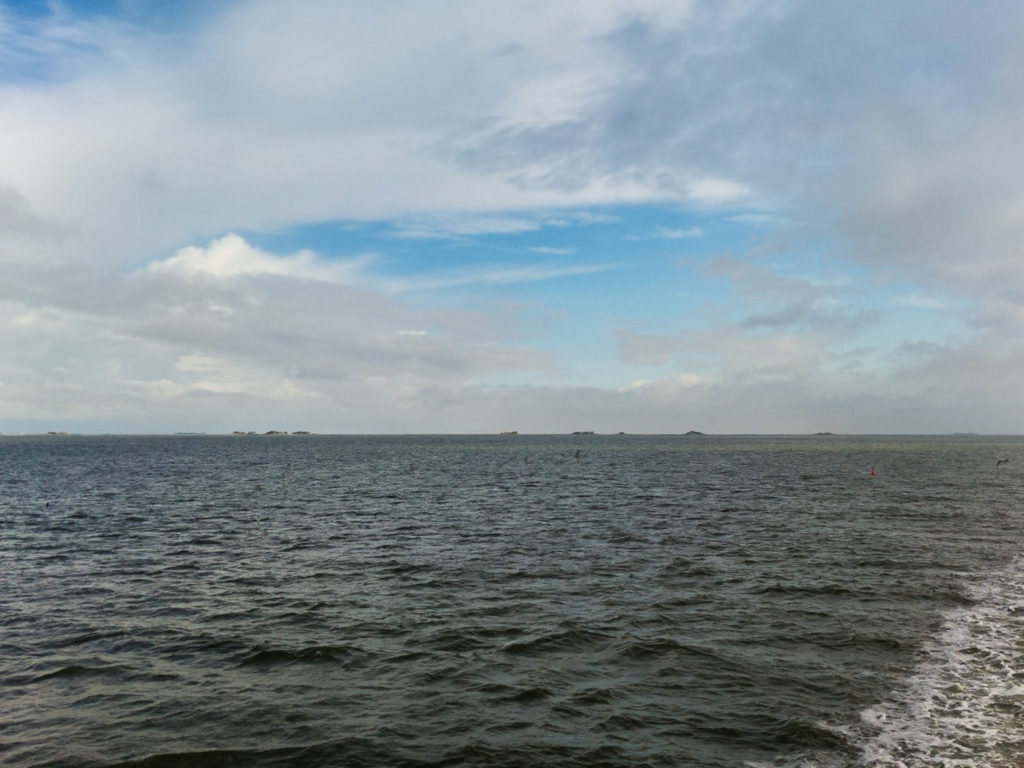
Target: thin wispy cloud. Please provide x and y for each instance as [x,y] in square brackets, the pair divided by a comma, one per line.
[551,251]
[486,225]
[507,275]
[683,233]
[467,226]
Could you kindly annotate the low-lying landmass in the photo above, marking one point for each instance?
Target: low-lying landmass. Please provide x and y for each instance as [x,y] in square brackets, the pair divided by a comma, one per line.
[272,432]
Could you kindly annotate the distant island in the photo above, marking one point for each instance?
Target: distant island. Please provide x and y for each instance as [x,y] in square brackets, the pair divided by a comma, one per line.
[694,432]
[272,432]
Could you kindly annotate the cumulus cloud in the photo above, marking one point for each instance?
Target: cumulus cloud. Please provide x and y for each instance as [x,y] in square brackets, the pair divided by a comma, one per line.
[231,256]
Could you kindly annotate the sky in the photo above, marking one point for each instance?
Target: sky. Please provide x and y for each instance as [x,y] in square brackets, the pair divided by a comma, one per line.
[470,216]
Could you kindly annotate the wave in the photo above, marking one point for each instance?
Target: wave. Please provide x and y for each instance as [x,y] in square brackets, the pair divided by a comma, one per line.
[356,753]
[688,567]
[529,695]
[829,590]
[86,637]
[572,639]
[597,695]
[86,671]
[664,646]
[455,639]
[314,654]
[79,670]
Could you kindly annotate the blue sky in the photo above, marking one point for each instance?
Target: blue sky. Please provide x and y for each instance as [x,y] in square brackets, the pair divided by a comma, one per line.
[431,216]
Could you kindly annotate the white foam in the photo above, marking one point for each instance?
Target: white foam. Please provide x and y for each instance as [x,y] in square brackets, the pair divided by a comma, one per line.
[964,705]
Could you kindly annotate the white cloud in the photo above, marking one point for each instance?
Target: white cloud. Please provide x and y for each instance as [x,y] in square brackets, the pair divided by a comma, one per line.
[500,275]
[760,219]
[200,363]
[551,251]
[477,225]
[922,301]
[463,225]
[684,233]
[669,388]
[717,191]
[231,256]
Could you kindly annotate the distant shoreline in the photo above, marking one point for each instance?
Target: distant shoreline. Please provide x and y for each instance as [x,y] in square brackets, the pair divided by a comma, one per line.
[587,434]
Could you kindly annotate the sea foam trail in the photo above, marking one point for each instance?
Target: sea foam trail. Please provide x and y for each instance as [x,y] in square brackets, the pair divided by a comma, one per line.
[964,705]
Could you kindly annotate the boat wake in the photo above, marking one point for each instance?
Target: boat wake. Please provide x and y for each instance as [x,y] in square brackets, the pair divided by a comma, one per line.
[963,706]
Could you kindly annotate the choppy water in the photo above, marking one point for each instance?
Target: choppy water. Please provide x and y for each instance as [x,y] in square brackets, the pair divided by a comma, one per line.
[497,601]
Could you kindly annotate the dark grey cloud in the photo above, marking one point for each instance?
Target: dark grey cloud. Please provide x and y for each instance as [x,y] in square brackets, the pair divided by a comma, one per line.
[892,127]
[18,218]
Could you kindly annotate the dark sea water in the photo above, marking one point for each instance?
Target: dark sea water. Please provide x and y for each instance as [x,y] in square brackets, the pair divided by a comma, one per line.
[499,601]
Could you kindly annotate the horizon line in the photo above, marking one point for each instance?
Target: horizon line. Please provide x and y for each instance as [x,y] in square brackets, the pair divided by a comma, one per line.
[510,434]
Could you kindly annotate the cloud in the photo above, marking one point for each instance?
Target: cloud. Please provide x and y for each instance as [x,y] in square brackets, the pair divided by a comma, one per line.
[922,301]
[669,233]
[759,219]
[228,129]
[508,275]
[461,226]
[18,218]
[814,314]
[669,388]
[871,138]
[226,335]
[648,349]
[230,257]
[231,129]
[480,225]
[787,301]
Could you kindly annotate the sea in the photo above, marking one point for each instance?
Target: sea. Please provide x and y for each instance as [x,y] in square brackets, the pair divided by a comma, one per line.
[580,600]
